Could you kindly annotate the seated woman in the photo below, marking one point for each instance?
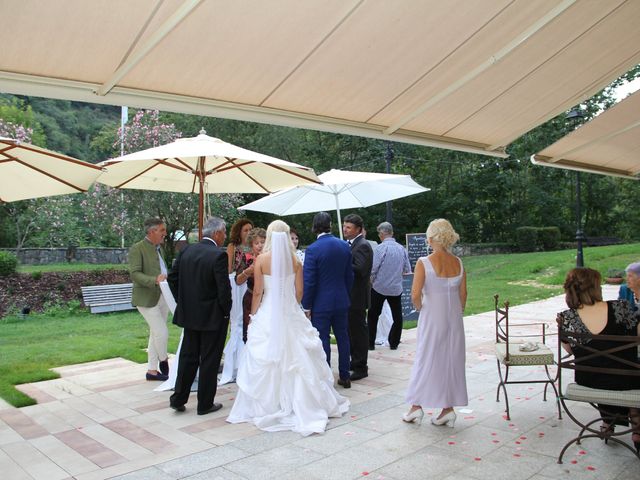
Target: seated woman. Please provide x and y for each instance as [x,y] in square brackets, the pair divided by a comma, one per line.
[590,315]
[631,291]
[244,273]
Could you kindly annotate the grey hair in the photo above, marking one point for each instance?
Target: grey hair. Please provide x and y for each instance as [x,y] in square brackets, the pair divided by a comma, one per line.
[213,225]
[633,268]
[386,228]
[151,223]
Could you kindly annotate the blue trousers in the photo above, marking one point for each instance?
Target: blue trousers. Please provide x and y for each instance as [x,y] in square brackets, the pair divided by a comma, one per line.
[338,320]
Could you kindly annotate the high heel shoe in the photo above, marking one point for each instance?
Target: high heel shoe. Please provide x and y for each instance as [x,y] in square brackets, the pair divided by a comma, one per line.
[607,430]
[415,416]
[449,419]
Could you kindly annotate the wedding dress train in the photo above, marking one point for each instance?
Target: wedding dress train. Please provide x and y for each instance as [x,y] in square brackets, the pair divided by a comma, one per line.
[293,388]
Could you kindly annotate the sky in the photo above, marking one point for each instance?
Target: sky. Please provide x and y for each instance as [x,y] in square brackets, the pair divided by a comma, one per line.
[627,88]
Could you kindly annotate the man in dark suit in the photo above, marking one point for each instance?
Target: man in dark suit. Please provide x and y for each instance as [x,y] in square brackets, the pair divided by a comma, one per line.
[328,278]
[362,253]
[200,283]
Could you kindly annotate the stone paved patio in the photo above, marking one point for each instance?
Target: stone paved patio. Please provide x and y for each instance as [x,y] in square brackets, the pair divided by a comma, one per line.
[101,420]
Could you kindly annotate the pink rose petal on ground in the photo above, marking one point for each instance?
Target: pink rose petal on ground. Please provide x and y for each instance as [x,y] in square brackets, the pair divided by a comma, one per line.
[477,459]
[354,416]
[493,434]
[574,461]
[469,418]
[541,418]
[452,443]
[518,448]
[505,417]
[517,455]
[582,452]
[511,425]
[523,437]
[591,468]
[348,434]
[517,442]
[365,473]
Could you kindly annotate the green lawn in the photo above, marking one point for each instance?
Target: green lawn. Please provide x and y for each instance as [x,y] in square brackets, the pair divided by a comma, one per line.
[525,277]
[30,347]
[70,267]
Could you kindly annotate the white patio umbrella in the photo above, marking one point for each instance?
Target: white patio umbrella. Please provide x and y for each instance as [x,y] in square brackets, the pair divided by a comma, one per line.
[340,189]
[27,171]
[203,165]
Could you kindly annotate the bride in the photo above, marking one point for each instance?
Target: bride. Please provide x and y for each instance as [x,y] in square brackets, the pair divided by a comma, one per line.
[284,382]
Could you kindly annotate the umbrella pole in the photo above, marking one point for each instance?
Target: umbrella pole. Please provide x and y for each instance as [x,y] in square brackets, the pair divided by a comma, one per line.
[200,196]
[339,217]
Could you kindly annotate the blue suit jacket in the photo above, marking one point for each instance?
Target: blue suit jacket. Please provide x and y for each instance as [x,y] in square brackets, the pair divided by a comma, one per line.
[328,275]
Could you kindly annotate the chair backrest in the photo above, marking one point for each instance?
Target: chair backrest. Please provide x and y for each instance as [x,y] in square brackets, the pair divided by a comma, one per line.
[622,342]
[502,323]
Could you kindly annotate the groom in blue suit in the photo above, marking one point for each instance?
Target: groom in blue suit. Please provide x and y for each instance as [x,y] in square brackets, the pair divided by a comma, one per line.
[328,278]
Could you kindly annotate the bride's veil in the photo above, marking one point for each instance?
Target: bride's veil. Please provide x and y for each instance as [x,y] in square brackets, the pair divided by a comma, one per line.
[281,270]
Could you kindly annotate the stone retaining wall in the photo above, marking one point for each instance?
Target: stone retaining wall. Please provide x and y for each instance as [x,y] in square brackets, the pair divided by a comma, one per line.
[45,256]
[462,250]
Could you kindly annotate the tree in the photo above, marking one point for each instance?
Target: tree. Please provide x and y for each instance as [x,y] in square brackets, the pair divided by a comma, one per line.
[178,210]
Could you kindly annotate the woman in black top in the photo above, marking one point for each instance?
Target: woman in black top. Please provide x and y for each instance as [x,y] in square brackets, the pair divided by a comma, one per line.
[588,314]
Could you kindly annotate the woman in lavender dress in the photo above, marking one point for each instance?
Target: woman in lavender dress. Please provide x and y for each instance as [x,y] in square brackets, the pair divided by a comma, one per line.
[439,292]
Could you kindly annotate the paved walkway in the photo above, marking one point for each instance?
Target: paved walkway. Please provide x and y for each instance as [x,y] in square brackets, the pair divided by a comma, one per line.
[101,420]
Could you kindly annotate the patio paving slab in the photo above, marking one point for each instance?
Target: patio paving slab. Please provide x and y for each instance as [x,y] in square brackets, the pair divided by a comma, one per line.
[103,420]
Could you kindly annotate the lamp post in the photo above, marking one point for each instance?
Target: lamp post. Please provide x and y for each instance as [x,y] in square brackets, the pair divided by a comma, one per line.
[574,116]
[579,233]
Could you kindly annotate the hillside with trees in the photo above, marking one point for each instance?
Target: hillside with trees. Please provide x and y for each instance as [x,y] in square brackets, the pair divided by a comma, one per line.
[487,199]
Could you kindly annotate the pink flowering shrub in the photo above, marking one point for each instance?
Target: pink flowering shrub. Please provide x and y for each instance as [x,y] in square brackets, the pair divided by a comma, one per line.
[14,131]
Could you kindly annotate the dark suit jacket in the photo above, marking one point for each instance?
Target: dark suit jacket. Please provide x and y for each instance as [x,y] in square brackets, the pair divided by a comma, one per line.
[328,275]
[200,284]
[362,262]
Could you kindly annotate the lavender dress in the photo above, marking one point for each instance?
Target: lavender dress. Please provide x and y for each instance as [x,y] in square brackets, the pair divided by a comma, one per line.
[438,377]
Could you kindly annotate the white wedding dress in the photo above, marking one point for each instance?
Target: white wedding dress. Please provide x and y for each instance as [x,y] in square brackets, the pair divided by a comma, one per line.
[284,381]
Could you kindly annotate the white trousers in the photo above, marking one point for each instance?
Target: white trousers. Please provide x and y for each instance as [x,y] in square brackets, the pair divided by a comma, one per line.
[156,318]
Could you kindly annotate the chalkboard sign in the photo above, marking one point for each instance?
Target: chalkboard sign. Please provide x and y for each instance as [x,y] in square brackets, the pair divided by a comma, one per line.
[417,247]
[408,312]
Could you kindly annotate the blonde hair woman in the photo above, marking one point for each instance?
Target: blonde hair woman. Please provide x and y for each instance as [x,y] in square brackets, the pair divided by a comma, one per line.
[284,381]
[439,292]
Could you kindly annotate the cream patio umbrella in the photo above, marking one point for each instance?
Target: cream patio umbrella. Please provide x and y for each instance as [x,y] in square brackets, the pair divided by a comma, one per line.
[27,171]
[340,189]
[203,165]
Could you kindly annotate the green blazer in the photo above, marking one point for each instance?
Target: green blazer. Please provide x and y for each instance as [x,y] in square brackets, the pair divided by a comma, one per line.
[144,268]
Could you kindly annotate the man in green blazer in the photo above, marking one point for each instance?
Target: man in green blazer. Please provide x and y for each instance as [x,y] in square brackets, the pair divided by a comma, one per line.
[148,269]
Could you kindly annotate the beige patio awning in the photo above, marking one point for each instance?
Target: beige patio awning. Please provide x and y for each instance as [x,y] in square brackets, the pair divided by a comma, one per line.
[609,144]
[466,75]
